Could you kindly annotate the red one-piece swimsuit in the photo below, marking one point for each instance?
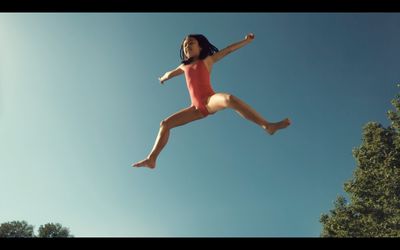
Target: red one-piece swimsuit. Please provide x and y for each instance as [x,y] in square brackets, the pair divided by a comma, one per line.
[198,84]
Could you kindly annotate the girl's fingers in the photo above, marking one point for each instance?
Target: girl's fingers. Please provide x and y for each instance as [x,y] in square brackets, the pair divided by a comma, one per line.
[250,36]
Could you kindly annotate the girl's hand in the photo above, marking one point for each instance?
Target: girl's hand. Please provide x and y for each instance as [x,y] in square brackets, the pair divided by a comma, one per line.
[249,37]
[161,79]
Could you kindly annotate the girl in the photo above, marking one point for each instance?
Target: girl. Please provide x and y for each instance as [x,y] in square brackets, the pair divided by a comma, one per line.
[198,56]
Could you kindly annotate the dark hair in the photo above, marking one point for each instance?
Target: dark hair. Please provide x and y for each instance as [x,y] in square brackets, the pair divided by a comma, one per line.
[207,49]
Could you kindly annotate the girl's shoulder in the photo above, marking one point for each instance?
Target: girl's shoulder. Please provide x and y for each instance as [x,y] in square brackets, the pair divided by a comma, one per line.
[181,66]
[208,60]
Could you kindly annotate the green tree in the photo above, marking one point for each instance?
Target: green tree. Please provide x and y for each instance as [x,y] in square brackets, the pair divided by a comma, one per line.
[16,229]
[21,229]
[51,230]
[374,190]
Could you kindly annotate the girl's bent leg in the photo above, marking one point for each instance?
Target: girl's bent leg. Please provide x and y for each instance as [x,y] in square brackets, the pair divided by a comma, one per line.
[178,119]
[221,101]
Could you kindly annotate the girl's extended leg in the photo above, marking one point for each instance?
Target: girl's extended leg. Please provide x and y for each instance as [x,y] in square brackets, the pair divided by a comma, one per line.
[221,101]
[178,119]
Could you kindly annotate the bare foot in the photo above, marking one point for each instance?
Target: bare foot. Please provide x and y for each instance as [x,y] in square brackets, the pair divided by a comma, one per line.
[271,128]
[148,162]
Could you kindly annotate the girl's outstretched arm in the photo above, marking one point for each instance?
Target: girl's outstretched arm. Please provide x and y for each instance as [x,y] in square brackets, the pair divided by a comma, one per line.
[170,74]
[222,53]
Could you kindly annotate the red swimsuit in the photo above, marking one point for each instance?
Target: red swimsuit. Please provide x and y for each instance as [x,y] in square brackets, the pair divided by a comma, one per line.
[198,84]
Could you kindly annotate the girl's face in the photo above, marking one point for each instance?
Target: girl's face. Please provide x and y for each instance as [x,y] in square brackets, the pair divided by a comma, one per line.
[191,47]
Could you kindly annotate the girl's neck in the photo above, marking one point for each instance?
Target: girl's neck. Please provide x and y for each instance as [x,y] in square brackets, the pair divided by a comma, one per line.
[194,59]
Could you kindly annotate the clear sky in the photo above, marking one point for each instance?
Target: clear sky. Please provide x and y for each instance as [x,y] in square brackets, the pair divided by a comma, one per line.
[80,102]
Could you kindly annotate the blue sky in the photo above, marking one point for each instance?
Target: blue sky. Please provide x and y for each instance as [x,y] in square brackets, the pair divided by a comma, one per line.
[80,101]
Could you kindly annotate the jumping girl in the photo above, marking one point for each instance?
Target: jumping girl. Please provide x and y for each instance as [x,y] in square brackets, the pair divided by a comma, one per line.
[198,56]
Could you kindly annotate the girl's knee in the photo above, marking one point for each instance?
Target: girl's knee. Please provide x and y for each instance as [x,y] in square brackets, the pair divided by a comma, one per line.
[164,124]
[230,100]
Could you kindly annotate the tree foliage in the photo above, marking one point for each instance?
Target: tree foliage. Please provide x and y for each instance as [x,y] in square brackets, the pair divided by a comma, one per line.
[21,229]
[51,230]
[16,229]
[374,190]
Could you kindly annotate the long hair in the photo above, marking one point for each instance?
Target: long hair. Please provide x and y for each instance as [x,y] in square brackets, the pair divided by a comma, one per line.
[207,49]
